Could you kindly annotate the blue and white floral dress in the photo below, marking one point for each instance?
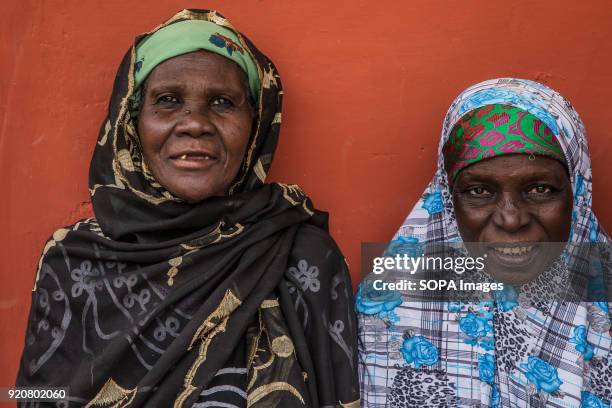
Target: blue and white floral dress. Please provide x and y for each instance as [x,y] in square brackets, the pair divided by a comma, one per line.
[523,348]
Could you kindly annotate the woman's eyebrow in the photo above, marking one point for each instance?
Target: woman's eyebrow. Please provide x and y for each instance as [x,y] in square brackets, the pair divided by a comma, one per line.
[182,86]
[169,85]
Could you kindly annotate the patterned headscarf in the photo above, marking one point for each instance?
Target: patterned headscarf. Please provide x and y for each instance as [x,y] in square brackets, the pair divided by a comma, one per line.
[496,130]
[191,35]
[508,354]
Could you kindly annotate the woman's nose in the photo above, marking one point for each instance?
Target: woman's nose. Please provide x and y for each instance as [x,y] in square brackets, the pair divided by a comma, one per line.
[195,122]
[510,214]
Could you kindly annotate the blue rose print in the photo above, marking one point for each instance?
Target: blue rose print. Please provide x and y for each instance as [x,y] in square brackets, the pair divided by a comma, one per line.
[419,351]
[544,376]
[433,202]
[602,305]
[370,301]
[579,186]
[592,230]
[404,245]
[582,346]
[506,299]
[589,400]
[486,97]
[454,307]
[486,368]
[495,397]
[487,343]
[475,326]
[389,315]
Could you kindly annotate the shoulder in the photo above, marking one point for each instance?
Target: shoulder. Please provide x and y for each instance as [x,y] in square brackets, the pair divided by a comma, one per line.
[314,242]
[52,256]
[70,233]
[315,254]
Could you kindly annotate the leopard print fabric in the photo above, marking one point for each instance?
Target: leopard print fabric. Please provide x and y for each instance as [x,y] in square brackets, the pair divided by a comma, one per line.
[422,387]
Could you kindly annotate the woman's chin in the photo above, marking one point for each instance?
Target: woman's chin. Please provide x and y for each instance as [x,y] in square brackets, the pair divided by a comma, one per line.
[513,276]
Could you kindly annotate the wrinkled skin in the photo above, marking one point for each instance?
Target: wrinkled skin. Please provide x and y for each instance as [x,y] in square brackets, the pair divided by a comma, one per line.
[513,202]
[195,123]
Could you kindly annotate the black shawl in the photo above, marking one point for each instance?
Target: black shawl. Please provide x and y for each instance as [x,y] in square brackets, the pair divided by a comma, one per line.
[145,304]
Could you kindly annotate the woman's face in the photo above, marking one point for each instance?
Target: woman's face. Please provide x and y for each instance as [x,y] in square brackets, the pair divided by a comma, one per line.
[195,123]
[514,204]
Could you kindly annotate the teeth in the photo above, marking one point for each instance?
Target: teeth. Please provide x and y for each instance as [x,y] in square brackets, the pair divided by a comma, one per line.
[184,157]
[514,250]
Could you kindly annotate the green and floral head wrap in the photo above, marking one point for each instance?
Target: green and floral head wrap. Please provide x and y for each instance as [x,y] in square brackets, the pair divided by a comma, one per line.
[496,130]
[188,36]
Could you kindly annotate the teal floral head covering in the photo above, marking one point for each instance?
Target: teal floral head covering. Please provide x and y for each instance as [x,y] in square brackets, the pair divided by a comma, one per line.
[496,130]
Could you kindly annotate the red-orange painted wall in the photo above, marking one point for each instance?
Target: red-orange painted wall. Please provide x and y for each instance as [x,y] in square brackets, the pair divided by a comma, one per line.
[366,83]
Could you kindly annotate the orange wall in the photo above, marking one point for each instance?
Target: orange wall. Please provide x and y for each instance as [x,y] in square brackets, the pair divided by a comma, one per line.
[366,84]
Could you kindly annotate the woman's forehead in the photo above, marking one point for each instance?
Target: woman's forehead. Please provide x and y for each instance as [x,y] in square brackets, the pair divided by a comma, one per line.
[200,66]
[514,166]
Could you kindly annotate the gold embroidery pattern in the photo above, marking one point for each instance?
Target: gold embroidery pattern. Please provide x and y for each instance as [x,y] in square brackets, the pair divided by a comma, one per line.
[228,304]
[277,117]
[213,17]
[107,129]
[111,395]
[58,236]
[266,389]
[214,324]
[268,303]
[199,243]
[174,264]
[125,159]
[269,78]
[295,195]
[282,346]
[259,171]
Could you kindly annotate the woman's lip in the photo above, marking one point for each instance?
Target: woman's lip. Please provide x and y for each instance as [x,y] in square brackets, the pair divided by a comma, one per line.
[193,162]
[513,256]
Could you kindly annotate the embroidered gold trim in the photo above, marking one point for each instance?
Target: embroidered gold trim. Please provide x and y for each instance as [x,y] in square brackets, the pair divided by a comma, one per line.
[268,303]
[213,17]
[228,304]
[295,195]
[107,129]
[277,118]
[260,392]
[58,236]
[259,171]
[239,228]
[254,346]
[111,395]
[125,159]
[282,346]
[214,324]
[269,78]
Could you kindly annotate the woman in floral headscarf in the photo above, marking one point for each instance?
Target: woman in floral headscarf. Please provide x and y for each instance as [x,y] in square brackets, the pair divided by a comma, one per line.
[513,176]
[197,284]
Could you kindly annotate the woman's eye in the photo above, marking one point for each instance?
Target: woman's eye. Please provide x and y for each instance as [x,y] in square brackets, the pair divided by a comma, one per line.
[222,102]
[167,99]
[539,190]
[478,192]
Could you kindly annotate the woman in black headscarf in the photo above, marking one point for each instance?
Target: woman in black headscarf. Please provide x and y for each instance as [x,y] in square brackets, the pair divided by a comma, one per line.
[197,282]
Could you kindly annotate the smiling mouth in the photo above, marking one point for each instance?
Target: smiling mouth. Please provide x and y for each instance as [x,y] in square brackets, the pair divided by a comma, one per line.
[514,256]
[514,251]
[193,160]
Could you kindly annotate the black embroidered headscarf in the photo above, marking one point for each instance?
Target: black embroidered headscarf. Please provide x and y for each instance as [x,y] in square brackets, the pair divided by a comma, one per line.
[143,305]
